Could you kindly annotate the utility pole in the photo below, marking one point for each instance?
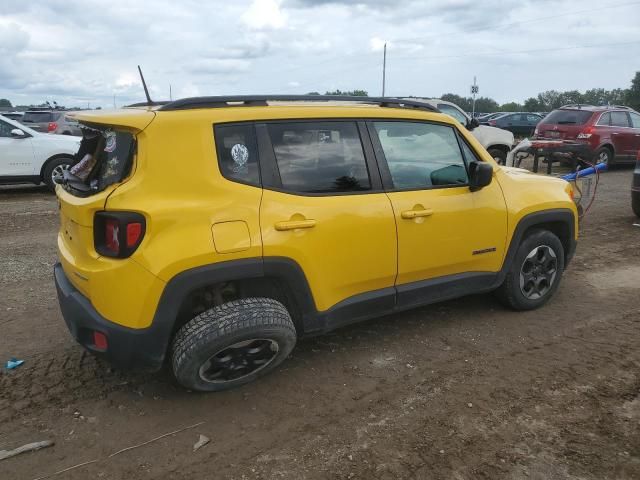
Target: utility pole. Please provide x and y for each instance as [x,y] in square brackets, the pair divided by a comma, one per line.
[114,100]
[384,67]
[474,90]
[170,97]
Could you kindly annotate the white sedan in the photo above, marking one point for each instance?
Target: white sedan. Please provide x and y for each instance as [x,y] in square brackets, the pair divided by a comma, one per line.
[27,156]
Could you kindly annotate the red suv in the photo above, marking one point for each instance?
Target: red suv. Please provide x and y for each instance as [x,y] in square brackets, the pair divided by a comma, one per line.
[612,132]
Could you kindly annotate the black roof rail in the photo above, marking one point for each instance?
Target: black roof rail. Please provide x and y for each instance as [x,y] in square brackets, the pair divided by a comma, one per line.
[623,107]
[578,105]
[262,100]
[146,104]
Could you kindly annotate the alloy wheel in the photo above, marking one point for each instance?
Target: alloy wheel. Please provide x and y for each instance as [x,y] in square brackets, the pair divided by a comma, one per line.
[538,272]
[239,360]
[57,174]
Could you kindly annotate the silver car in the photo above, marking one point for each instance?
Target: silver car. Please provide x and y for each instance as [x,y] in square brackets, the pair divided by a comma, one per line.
[50,121]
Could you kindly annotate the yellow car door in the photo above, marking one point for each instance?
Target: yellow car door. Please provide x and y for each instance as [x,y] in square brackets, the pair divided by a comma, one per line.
[323,207]
[449,237]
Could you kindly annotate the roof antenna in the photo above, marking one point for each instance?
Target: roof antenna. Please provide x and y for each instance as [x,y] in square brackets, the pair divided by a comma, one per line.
[144,84]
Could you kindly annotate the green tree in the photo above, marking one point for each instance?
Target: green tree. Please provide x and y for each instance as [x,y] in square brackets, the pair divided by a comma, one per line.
[511,107]
[532,104]
[5,103]
[632,96]
[462,102]
[484,104]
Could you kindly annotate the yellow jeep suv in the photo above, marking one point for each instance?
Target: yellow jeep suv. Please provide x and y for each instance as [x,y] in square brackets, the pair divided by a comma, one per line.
[211,233]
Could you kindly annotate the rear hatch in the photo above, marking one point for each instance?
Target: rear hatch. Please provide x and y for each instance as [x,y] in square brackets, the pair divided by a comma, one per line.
[563,124]
[39,121]
[112,143]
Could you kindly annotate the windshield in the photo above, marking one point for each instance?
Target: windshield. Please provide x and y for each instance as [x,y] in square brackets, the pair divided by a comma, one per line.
[105,157]
[454,112]
[568,117]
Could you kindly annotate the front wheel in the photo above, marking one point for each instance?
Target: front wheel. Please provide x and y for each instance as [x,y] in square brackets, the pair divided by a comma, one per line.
[232,344]
[54,171]
[498,155]
[535,272]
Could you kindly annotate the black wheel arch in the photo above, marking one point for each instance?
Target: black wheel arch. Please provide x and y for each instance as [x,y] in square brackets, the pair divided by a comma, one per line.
[560,222]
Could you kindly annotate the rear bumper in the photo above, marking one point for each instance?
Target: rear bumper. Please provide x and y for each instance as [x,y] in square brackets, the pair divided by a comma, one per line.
[127,348]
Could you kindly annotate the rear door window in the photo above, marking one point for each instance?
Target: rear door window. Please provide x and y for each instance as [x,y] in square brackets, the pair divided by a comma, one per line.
[453,111]
[635,119]
[619,119]
[319,157]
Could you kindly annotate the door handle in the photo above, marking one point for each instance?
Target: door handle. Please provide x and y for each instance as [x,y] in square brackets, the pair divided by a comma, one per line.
[294,224]
[411,214]
[615,133]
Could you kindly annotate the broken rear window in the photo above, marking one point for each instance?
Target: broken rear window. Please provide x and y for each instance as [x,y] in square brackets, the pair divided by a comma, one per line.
[105,157]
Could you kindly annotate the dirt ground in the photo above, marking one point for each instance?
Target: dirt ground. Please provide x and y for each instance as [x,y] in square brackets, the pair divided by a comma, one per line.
[459,390]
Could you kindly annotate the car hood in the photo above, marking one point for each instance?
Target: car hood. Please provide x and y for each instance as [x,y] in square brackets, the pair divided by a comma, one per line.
[489,136]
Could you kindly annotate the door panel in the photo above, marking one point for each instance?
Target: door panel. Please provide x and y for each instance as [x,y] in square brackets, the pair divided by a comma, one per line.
[621,134]
[16,154]
[346,245]
[635,127]
[443,228]
[324,208]
[465,232]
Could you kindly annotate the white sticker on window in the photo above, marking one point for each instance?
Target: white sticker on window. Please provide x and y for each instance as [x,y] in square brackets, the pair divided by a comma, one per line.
[110,144]
[240,155]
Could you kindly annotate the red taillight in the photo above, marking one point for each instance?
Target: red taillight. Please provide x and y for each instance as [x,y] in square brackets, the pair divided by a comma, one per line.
[586,133]
[52,126]
[100,341]
[492,123]
[134,230]
[112,236]
[118,234]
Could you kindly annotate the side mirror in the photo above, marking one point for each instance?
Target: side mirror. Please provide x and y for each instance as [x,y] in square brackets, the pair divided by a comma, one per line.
[17,133]
[473,123]
[480,175]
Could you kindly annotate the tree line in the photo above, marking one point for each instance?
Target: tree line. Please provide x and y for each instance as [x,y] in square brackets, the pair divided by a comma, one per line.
[543,102]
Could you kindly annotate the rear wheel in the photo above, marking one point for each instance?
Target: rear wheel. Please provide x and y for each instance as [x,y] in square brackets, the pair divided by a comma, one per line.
[232,344]
[603,155]
[535,272]
[498,155]
[54,171]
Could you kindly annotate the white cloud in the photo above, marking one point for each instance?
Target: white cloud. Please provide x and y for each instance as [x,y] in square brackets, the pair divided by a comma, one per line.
[263,14]
[78,51]
[377,44]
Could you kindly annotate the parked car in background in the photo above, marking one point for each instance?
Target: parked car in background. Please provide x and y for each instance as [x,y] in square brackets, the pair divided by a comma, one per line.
[50,121]
[496,141]
[27,156]
[491,116]
[13,115]
[612,132]
[635,188]
[519,123]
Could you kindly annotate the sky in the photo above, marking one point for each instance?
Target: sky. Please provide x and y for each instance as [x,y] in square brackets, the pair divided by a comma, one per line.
[86,52]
